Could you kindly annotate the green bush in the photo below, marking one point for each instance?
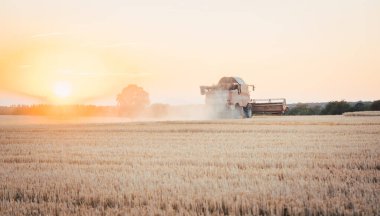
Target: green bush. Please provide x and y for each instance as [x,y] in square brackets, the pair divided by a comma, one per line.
[375,106]
[360,106]
[336,108]
[304,109]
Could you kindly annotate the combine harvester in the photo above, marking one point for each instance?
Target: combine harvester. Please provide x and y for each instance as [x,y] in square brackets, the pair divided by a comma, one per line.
[230,98]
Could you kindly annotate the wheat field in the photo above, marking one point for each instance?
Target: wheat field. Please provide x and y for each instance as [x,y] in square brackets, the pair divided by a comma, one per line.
[285,165]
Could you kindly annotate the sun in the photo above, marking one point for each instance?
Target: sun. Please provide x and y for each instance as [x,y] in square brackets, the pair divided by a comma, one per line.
[62,89]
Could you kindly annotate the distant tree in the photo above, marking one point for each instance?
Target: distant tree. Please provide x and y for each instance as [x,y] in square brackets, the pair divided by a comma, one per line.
[304,109]
[316,110]
[375,106]
[359,106]
[132,100]
[336,108]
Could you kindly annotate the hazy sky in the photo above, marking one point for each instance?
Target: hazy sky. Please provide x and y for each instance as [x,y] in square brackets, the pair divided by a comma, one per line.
[87,51]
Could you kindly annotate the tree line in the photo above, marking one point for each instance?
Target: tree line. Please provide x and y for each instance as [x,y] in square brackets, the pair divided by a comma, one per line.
[333,108]
[132,101]
[59,110]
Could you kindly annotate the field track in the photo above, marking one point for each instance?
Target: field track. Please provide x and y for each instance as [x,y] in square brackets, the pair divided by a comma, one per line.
[265,165]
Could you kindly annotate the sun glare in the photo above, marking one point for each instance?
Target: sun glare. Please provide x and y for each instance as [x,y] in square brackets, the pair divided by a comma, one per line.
[62,89]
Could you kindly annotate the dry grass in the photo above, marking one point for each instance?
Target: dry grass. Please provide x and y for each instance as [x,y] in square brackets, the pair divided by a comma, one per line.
[262,166]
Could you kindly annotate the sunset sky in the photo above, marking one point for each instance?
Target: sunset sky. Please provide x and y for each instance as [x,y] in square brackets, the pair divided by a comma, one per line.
[87,51]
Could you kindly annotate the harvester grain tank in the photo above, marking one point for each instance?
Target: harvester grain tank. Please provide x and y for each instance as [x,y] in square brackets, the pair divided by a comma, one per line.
[231,98]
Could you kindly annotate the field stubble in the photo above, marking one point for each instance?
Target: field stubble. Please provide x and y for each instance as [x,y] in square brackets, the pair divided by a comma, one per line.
[265,165]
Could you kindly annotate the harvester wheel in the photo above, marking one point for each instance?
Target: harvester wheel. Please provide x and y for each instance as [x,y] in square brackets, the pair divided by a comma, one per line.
[248,111]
